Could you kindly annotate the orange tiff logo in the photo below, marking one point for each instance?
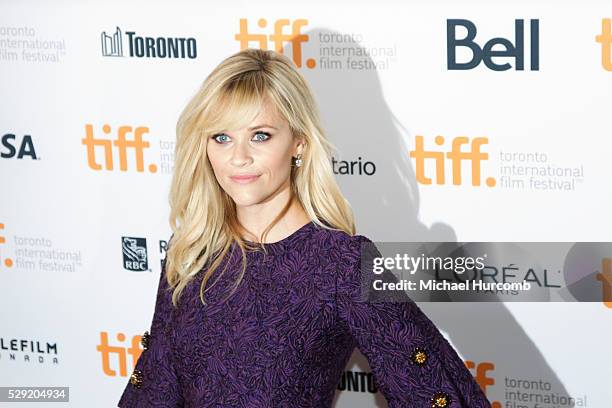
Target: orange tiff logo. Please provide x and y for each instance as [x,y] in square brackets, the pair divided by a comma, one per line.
[118,353]
[482,377]
[456,156]
[121,143]
[279,38]
[605,276]
[605,39]
[8,262]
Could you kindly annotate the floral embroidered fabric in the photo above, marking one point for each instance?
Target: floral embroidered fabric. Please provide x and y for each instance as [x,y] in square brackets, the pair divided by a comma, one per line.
[284,337]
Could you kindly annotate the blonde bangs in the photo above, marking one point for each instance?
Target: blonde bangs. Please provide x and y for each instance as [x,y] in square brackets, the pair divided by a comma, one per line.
[234,106]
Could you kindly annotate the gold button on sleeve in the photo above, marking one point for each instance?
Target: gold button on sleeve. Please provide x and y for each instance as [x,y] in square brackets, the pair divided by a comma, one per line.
[418,356]
[144,340]
[136,378]
[440,400]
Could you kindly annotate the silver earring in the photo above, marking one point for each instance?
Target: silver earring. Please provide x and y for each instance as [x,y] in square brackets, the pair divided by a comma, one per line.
[298,160]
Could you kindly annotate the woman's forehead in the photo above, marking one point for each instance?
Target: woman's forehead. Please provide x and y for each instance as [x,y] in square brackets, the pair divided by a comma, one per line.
[246,115]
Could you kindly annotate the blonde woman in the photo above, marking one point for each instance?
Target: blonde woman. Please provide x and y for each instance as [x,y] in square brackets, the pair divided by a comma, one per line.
[259,301]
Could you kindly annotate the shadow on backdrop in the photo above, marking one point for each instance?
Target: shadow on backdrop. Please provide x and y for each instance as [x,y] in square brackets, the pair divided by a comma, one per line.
[358,121]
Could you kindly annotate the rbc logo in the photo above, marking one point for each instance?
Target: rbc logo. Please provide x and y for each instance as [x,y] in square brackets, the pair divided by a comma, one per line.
[135,254]
[487,53]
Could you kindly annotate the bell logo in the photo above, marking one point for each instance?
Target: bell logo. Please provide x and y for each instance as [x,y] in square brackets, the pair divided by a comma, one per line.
[456,157]
[605,39]
[487,53]
[606,281]
[8,262]
[121,143]
[119,354]
[295,37]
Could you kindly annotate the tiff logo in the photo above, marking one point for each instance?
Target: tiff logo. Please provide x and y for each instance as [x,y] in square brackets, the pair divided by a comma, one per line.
[119,352]
[111,44]
[456,156]
[121,143]
[134,254]
[605,39]
[295,37]
[8,262]
[605,277]
[482,378]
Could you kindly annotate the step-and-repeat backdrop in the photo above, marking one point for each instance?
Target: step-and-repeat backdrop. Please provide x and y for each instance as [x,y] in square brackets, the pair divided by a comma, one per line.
[467,122]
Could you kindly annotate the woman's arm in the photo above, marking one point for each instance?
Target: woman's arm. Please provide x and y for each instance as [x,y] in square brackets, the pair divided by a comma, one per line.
[154,381]
[413,364]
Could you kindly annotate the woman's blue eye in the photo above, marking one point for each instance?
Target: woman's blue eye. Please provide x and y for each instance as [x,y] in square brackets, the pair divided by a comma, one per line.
[257,137]
[266,134]
[217,136]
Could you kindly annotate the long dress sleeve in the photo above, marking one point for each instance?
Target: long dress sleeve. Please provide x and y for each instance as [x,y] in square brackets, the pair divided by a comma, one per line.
[154,381]
[412,362]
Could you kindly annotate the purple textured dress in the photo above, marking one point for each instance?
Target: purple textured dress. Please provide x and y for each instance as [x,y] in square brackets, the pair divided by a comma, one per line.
[284,337]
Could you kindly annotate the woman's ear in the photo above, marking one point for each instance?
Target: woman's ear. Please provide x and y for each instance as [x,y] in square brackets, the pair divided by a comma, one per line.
[301,144]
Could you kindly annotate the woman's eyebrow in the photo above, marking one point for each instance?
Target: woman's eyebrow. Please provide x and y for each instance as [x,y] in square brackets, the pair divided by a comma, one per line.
[262,126]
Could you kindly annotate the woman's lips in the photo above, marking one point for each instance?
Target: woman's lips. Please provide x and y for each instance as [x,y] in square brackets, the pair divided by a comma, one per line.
[244,179]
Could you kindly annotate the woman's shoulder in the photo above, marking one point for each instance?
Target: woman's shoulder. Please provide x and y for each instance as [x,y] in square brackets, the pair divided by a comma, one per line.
[342,243]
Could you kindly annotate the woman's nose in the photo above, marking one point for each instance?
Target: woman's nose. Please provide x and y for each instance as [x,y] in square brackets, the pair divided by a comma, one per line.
[241,153]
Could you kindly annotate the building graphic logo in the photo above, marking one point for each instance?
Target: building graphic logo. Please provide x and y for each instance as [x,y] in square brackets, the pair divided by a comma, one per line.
[111,44]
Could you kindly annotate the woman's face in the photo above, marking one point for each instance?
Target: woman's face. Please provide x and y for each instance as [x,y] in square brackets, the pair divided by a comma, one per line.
[262,150]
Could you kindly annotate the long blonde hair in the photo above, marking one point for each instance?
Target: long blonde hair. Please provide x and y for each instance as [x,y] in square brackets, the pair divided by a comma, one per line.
[202,215]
